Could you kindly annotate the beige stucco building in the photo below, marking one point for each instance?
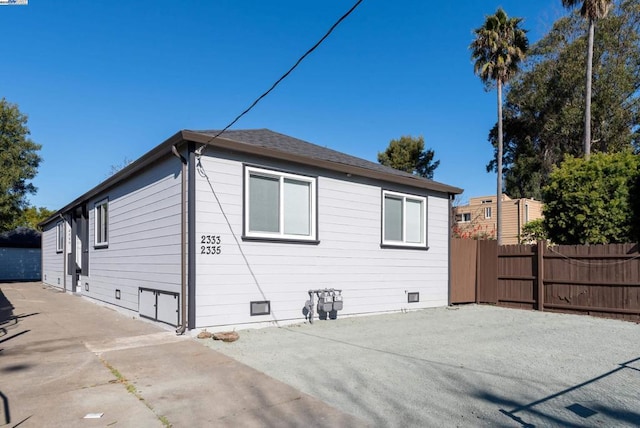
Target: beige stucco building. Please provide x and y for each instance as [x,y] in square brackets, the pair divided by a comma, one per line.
[478,218]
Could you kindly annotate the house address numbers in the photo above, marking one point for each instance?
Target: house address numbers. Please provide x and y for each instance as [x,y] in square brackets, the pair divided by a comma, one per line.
[210,244]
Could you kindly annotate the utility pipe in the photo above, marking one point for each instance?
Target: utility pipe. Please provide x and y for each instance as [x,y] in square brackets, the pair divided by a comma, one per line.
[312,303]
[64,254]
[183,243]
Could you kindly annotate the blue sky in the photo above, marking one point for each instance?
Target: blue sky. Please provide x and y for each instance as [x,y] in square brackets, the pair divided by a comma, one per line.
[102,81]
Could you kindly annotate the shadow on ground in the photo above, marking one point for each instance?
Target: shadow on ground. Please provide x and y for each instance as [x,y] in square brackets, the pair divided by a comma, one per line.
[518,412]
[8,323]
[478,366]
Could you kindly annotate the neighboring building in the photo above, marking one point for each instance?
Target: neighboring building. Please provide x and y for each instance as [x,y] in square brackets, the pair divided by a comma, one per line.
[20,255]
[234,231]
[478,218]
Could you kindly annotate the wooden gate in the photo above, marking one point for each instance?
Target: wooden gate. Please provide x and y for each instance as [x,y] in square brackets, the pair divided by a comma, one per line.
[463,270]
[474,271]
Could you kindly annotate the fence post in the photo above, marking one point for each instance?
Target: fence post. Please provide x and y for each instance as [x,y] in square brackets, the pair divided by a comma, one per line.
[477,271]
[540,274]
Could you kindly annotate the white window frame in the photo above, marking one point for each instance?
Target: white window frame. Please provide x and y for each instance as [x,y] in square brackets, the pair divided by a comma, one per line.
[423,220]
[60,236]
[96,226]
[487,212]
[281,176]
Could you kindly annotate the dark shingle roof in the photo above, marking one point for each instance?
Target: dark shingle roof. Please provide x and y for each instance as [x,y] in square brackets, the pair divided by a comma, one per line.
[263,142]
[268,139]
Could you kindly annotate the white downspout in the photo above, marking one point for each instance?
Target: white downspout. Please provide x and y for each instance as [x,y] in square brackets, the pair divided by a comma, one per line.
[64,254]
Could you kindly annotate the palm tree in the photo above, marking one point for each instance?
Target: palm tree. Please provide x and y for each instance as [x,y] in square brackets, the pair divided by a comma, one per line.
[499,47]
[592,10]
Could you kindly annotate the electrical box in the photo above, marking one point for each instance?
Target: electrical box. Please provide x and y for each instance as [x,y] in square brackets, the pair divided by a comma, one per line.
[337,301]
[325,302]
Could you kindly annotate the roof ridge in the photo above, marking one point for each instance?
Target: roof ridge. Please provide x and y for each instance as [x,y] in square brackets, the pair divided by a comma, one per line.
[273,140]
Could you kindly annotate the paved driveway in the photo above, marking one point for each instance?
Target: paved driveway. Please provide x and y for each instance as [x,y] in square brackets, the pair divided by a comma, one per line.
[63,358]
[463,366]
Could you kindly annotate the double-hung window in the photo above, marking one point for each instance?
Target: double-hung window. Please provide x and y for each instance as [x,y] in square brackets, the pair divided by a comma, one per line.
[279,205]
[101,221]
[60,236]
[404,220]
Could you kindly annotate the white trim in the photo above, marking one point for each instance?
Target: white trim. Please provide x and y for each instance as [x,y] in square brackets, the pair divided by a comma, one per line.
[60,236]
[423,220]
[97,207]
[487,212]
[280,176]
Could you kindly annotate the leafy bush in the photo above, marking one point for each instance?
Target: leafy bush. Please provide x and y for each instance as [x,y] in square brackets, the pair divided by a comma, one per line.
[533,231]
[593,201]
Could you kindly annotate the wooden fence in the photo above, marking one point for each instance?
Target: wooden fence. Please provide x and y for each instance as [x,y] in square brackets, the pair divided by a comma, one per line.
[600,280]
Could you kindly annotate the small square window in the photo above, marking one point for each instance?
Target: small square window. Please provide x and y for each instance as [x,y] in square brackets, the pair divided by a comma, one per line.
[260,308]
[101,223]
[466,217]
[413,297]
[404,220]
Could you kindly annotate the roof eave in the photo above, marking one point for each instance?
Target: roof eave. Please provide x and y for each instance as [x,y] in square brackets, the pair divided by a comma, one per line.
[223,143]
[146,159]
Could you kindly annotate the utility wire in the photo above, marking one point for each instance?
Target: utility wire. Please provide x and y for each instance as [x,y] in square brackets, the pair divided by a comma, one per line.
[577,261]
[284,76]
[203,173]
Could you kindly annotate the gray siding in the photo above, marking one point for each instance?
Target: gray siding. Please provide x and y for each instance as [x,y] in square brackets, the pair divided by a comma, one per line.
[144,237]
[52,261]
[348,257]
[20,264]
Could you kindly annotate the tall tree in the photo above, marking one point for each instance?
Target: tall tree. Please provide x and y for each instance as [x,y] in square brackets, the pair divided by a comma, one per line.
[592,10]
[499,46]
[544,106]
[408,154]
[19,162]
[33,216]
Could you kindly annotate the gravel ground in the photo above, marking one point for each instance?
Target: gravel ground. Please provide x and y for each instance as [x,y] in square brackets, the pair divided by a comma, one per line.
[461,366]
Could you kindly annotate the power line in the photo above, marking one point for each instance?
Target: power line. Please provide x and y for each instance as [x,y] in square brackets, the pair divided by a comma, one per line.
[284,76]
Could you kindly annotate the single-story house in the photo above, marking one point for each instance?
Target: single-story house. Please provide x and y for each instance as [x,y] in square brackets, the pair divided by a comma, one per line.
[234,231]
